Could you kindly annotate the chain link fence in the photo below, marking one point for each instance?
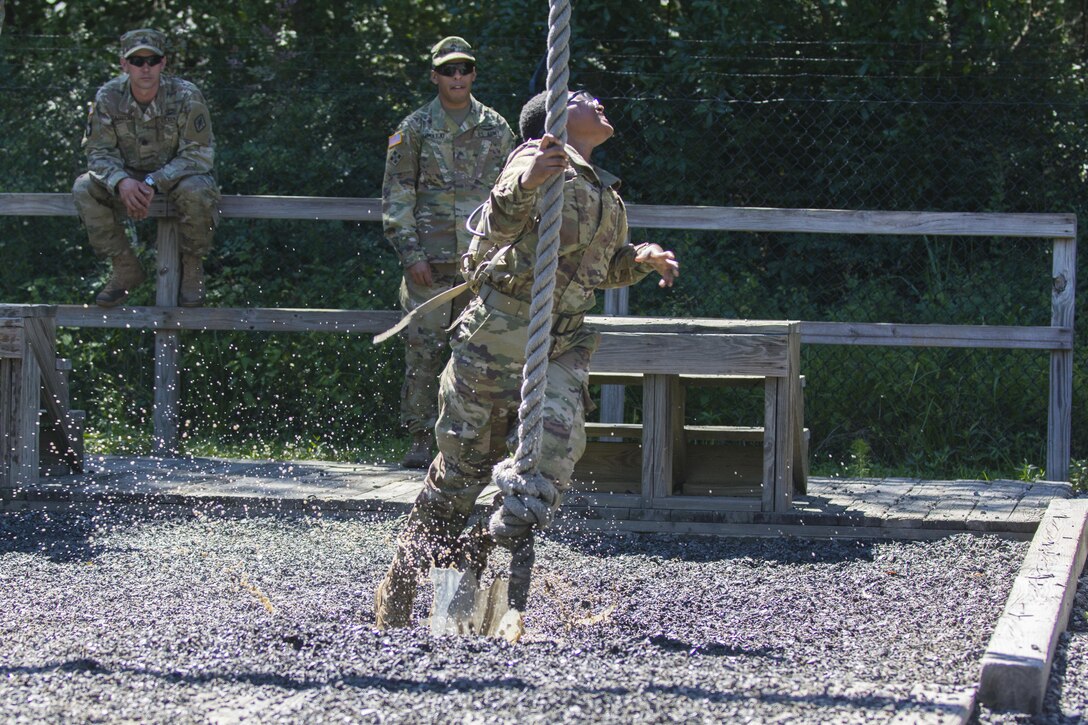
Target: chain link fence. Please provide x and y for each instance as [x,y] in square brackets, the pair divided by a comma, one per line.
[779,124]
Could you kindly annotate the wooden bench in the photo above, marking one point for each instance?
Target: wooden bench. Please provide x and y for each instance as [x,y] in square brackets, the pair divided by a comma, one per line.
[711,460]
[28,368]
[655,471]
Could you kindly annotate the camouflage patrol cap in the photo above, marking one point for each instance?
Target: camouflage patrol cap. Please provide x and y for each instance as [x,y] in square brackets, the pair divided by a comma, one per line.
[142,39]
[451,49]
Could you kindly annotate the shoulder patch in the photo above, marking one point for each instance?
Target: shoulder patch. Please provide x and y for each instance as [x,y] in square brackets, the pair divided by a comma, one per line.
[395,139]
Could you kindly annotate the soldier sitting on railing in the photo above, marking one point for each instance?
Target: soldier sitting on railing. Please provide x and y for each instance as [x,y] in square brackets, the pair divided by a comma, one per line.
[148,132]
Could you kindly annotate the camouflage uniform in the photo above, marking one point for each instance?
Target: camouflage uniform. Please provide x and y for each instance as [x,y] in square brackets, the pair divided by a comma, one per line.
[171,140]
[480,386]
[436,173]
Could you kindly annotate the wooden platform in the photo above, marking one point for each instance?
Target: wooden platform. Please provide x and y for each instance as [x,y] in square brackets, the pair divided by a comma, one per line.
[865,508]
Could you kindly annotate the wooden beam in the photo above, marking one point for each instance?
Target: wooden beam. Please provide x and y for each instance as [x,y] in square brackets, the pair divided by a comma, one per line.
[301,207]
[692,354]
[1017,662]
[243,319]
[21,311]
[37,205]
[231,207]
[647,216]
[962,336]
[843,221]
[258,319]
[688,325]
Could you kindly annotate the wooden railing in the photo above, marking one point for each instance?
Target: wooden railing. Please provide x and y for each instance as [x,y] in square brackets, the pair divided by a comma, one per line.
[1057,337]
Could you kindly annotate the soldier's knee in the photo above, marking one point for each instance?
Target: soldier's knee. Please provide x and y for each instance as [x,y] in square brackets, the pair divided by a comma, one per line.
[197,196]
[79,188]
[83,194]
[559,470]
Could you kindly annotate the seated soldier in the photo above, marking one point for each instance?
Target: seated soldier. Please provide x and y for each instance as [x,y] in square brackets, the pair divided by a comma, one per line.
[148,133]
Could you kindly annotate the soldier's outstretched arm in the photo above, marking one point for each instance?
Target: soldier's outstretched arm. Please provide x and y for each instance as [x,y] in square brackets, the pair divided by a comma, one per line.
[662,260]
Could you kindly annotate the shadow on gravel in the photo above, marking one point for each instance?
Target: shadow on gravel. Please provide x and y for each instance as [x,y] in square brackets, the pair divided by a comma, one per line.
[711,649]
[866,703]
[61,538]
[706,549]
[90,666]
[67,536]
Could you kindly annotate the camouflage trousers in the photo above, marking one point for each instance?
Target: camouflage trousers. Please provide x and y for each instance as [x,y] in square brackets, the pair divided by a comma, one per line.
[426,347]
[479,395]
[196,199]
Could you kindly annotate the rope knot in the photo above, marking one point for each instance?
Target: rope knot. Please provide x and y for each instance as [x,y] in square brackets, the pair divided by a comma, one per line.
[529,500]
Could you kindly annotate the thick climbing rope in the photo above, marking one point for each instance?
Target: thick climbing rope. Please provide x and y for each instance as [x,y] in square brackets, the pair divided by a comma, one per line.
[530,499]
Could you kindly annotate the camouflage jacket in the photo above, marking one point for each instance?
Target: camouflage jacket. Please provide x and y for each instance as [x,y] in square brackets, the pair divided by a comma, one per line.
[593,253]
[172,139]
[436,174]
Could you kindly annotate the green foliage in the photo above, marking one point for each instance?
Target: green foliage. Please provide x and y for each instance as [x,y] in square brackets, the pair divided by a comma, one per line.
[1078,474]
[1029,473]
[861,464]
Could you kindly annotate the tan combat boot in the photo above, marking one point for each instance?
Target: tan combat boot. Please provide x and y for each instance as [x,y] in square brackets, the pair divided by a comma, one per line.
[192,281]
[419,454]
[395,595]
[126,274]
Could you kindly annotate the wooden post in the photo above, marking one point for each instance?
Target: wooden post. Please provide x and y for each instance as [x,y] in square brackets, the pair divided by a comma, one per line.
[771,392]
[615,304]
[786,423]
[20,395]
[800,442]
[658,441]
[1060,409]
[41,338]
[167,372]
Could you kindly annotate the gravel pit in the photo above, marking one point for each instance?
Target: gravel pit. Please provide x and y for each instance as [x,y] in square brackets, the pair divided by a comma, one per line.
[125,614]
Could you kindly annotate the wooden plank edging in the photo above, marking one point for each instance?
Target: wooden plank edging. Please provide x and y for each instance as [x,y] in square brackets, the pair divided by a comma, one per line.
[1017,662]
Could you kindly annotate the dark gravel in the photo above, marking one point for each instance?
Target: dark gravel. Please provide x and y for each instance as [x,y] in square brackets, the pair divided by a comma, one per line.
[126,615]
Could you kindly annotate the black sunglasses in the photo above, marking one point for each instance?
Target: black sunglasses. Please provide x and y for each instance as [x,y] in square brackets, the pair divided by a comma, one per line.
[451,69]
[579,96]
[139,60]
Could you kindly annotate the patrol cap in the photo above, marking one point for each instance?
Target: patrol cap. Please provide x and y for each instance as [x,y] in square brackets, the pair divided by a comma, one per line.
[142,39]
[451,49]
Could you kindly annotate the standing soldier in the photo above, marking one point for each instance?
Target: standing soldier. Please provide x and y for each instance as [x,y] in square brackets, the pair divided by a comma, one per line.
[148,133]
[439,167]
